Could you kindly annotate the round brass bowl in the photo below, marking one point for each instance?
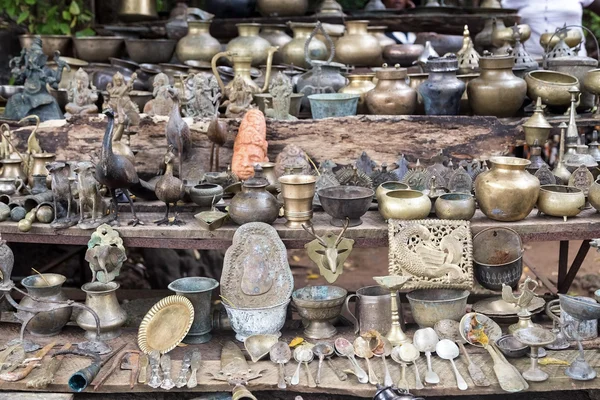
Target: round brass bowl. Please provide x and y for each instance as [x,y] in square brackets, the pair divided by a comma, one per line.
[150,51]
[404,204]
[455,206]
[429,306]
[560,201]
[98,48]
[511,347]
[553,87]
[497,258]
[550,39]
[403,54]
[206,194]
[591,82]
[341,202]
[319,305]
[388,187]
[594,195]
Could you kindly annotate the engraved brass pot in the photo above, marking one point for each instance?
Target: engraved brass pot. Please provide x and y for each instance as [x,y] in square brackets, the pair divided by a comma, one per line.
[560,201]
[298,192]
[507,192]
[391,95]
[198,44]
[293,52]
[577,66]
[388,187]
[459,206]
[282,8]
[249,44]
[404,204]
[357,47]
[497,91]
[553,87]
[102,298]
[359,84]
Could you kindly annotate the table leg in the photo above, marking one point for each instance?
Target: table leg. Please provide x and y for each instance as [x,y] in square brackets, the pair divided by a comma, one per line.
[565,283]
[563,261]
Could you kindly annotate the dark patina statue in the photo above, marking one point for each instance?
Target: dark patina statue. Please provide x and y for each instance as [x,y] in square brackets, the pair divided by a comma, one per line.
[30,69]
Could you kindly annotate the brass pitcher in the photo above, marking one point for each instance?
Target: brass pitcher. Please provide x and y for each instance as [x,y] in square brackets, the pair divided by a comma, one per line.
[102,298]
[13,168]
[373,309]
[38,165]
[241,67]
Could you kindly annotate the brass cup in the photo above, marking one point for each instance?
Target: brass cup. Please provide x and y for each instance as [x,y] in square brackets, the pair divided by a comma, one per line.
[298,192]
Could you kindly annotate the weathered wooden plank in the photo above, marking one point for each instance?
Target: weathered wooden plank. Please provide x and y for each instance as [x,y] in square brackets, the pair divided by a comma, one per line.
[36,396]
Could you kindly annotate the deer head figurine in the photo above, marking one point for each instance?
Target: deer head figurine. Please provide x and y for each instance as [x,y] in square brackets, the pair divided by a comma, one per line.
[329,252]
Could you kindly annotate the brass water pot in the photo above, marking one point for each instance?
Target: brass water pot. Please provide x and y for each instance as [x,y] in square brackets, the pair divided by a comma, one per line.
[357,47]
[507,192]
[250,44]
[241,67]
[293,52]
[497,91]
[38,165]
[391,95]
[198,44]
[359,84]
[298,192]
[276,35]
[102,298]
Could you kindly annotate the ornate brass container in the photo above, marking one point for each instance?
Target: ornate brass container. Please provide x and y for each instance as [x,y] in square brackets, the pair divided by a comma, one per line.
[102,298]
[276,35]
[357,47]
[298,192]
[278,8]
[359,84]
[198,44]
[560,201]
[294,51]
[537,128]
[404,204]
[507,192]
[250,44]
[391,95]
[553,87]
[497,91]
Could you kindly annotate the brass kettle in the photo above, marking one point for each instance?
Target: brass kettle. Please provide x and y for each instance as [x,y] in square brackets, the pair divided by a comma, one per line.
[241,67]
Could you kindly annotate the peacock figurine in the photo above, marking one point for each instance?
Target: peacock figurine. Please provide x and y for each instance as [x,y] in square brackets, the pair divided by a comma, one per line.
[169,189]
[178,131]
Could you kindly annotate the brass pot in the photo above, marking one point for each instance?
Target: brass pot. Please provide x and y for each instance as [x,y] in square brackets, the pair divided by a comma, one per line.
[379,33]
[560,201]
[38,165]
[293,52]
[404,204]
[249,44]
[550,39]
[282,8]
[359,84]
[254,203]
[483,40]
[13,168]
[577,66]
[459,206]
[391,95]
[553,87]
[298,192]
[198,44]
[497,91]
[594,195]
[507,192]
[102,298]
[50,43]
[503,35]
[137,10]
[357,47]
[388,187]
[276,35]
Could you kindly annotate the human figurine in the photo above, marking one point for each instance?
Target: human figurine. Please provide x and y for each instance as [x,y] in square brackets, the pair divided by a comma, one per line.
[30,69]
[239,98]
[162,103]
[250,146]
[118,99]
[82,95]
[202,100]
[281,89]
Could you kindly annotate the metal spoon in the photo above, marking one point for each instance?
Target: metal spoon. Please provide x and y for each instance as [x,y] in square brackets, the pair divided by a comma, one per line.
[448,350]
[280,353]
[363,350]
[324,351]
[382,352]
[425,341]
[344,348]
[306,356]
[409,353]
[296,377]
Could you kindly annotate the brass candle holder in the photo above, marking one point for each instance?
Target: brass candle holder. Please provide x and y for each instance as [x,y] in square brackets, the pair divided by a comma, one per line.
[393,283]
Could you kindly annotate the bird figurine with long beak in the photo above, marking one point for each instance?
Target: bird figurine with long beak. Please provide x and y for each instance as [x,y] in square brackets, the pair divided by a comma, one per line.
[178,131]
[169,189]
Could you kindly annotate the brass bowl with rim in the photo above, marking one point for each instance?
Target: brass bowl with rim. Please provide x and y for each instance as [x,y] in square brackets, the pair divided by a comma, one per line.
[388,187]
[458,206]
[404,204]
[560,201]
[319,305]
[150,51]
[553,87]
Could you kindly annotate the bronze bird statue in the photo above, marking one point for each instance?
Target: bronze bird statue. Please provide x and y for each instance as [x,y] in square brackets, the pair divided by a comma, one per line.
[217,134]
[169,189]
[178,131]
[116,171]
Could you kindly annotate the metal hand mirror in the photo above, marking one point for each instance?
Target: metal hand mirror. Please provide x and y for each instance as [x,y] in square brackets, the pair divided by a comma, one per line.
[409,353]
[325,351]
[535,338]
[448,350]
[344,348]
[363,350]
[280,354]
[383,352]
[425,341]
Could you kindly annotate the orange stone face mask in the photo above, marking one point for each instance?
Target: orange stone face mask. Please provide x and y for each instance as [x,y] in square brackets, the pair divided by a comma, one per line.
[250,146]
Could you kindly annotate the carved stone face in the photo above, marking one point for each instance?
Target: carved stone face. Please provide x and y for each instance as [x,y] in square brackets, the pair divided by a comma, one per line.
[250,145]
[244,160]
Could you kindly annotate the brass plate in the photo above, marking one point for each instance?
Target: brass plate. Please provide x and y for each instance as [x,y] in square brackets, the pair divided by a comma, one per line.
[166,324]
[496,307]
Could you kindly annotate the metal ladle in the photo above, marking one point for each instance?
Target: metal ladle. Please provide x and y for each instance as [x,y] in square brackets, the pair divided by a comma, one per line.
[425,341]
[344,348]
[280,353]
[448,350]
[383,352]
[409,353]
[363,350]
[324,351]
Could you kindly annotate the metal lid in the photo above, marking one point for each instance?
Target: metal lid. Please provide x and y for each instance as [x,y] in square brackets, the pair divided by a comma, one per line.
[447,63]
[392,73]
[489,61]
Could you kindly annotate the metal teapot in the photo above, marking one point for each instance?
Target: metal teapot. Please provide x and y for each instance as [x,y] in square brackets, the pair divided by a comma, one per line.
[241,67]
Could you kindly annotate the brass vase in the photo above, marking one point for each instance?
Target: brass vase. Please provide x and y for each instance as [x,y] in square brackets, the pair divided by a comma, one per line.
[254,203]
[13,168]
[38,165]
[276,35]
[298,192]
[282,8]
[507,192]
[250,44]
[198,44]
[102,298]
[359,84]
[293,52]
[391,95]
[497,91]
[357,47]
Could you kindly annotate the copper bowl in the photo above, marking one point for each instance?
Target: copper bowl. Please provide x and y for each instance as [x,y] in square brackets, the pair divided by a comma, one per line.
[403,54]
[150,51]
[553,87]
[98,48]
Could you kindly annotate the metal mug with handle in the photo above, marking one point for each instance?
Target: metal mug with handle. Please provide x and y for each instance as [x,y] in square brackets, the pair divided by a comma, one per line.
[372,311]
